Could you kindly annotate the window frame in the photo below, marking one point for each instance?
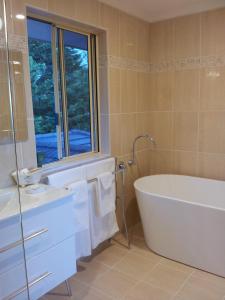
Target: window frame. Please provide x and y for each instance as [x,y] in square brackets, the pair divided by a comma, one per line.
[93,89]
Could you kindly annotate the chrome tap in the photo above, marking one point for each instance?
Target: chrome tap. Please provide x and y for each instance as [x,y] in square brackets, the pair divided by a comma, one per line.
[146,136]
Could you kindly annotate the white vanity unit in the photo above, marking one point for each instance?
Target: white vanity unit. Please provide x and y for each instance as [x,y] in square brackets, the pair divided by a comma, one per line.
[49,242]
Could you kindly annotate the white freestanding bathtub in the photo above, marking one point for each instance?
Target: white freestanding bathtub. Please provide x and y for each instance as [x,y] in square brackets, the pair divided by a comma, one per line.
[183,219]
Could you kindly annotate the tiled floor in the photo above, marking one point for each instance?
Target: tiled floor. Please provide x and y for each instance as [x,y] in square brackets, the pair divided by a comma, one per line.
[139,274]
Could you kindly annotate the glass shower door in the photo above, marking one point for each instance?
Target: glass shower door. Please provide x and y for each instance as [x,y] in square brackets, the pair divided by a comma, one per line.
[13,276]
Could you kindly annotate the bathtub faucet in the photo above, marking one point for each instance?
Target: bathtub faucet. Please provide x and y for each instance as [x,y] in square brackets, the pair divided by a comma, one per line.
[145,136]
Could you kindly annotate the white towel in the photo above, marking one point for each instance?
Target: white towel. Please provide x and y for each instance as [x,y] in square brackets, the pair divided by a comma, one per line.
[81,217]
[63,178]
[101,228]
[106,194]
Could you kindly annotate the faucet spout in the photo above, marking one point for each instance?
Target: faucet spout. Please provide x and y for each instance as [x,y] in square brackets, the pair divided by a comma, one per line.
[145,136]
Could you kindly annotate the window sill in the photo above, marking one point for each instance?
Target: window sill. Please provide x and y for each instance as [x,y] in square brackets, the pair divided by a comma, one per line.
[71,162]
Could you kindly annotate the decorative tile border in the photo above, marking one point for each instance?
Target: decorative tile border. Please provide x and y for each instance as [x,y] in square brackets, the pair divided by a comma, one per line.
[19,43]
[128,64]
[187,63]
[16,42]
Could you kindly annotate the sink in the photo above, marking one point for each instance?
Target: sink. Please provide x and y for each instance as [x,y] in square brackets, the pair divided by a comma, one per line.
[8,202]
[5,197]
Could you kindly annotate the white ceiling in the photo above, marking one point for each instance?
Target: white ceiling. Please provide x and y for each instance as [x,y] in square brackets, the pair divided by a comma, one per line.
[155,10]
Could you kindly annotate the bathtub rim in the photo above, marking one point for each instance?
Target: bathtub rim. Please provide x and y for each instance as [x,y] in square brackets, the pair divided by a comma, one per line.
[175,198]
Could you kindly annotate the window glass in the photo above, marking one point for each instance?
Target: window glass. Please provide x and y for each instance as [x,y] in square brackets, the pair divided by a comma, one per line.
[41,74]
[77,92]
[62,85]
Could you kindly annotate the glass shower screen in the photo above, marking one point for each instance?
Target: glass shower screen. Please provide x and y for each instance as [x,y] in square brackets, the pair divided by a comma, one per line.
[13,278]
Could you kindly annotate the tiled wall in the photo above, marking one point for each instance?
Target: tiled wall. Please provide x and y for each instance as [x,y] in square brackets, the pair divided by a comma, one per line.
[187,117]
[165,78]
[128,65]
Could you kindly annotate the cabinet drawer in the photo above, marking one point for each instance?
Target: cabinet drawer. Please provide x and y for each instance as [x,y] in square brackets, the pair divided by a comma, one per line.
[10,255]
[12,281]
[59,262]
[45,271]
[54,223]
[43,228]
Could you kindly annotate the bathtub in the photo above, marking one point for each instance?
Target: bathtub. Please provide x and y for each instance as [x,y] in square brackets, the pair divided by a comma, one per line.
[183,219]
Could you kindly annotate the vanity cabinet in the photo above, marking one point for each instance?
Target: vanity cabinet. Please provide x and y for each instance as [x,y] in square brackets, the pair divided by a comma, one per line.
[49,242]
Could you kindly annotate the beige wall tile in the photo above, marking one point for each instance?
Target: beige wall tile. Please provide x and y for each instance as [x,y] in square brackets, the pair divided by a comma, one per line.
[213,89]
[211,166]
[211,132]
[87,11]
[143,92]
[114,90]
[128,132]
[185,163]
[109,19]
[186,90]
[161,161]
[128,91]
[143,163]
[161,91]
[43,4]
[185,131]
[17,7]
[187,36]
[161,129]
[143,53]
[63,8]
[161,41]
[115,134]
[128,36]
[213,23]
[143,127]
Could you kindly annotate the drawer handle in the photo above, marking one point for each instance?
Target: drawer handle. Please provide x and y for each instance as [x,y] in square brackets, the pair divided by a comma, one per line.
[30,284]
[19,242]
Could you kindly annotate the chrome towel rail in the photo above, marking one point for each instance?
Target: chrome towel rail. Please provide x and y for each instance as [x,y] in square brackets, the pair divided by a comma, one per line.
[96,179]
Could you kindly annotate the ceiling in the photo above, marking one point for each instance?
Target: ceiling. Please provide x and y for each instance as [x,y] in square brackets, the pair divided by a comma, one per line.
[155,10]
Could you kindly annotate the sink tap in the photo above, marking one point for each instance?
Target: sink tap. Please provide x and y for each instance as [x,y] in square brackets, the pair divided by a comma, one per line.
[145,136]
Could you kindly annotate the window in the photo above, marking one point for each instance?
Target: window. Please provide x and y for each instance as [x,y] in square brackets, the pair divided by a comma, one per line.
[64,90]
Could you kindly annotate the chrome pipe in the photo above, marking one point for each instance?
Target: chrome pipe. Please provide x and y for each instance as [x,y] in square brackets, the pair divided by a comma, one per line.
[132,161]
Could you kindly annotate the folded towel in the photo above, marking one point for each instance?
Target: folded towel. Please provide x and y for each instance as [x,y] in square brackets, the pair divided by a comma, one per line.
[81,217]
[63,178]
[101,228]
[106,194]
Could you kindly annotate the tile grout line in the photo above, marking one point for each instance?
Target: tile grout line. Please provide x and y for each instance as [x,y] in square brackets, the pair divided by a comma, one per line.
[141,280]
[182,285]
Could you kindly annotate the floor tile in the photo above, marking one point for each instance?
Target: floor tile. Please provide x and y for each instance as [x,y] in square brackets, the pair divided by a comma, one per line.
[135,265]
[91,294]
[111,255]
[114,284]
[167,278]
[200,289]
[89,271]
[59,292]
[211,277]
[144,291]
[176,265]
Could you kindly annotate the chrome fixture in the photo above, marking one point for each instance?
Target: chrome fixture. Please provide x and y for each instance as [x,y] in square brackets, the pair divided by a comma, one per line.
[121,168]
[145,136]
